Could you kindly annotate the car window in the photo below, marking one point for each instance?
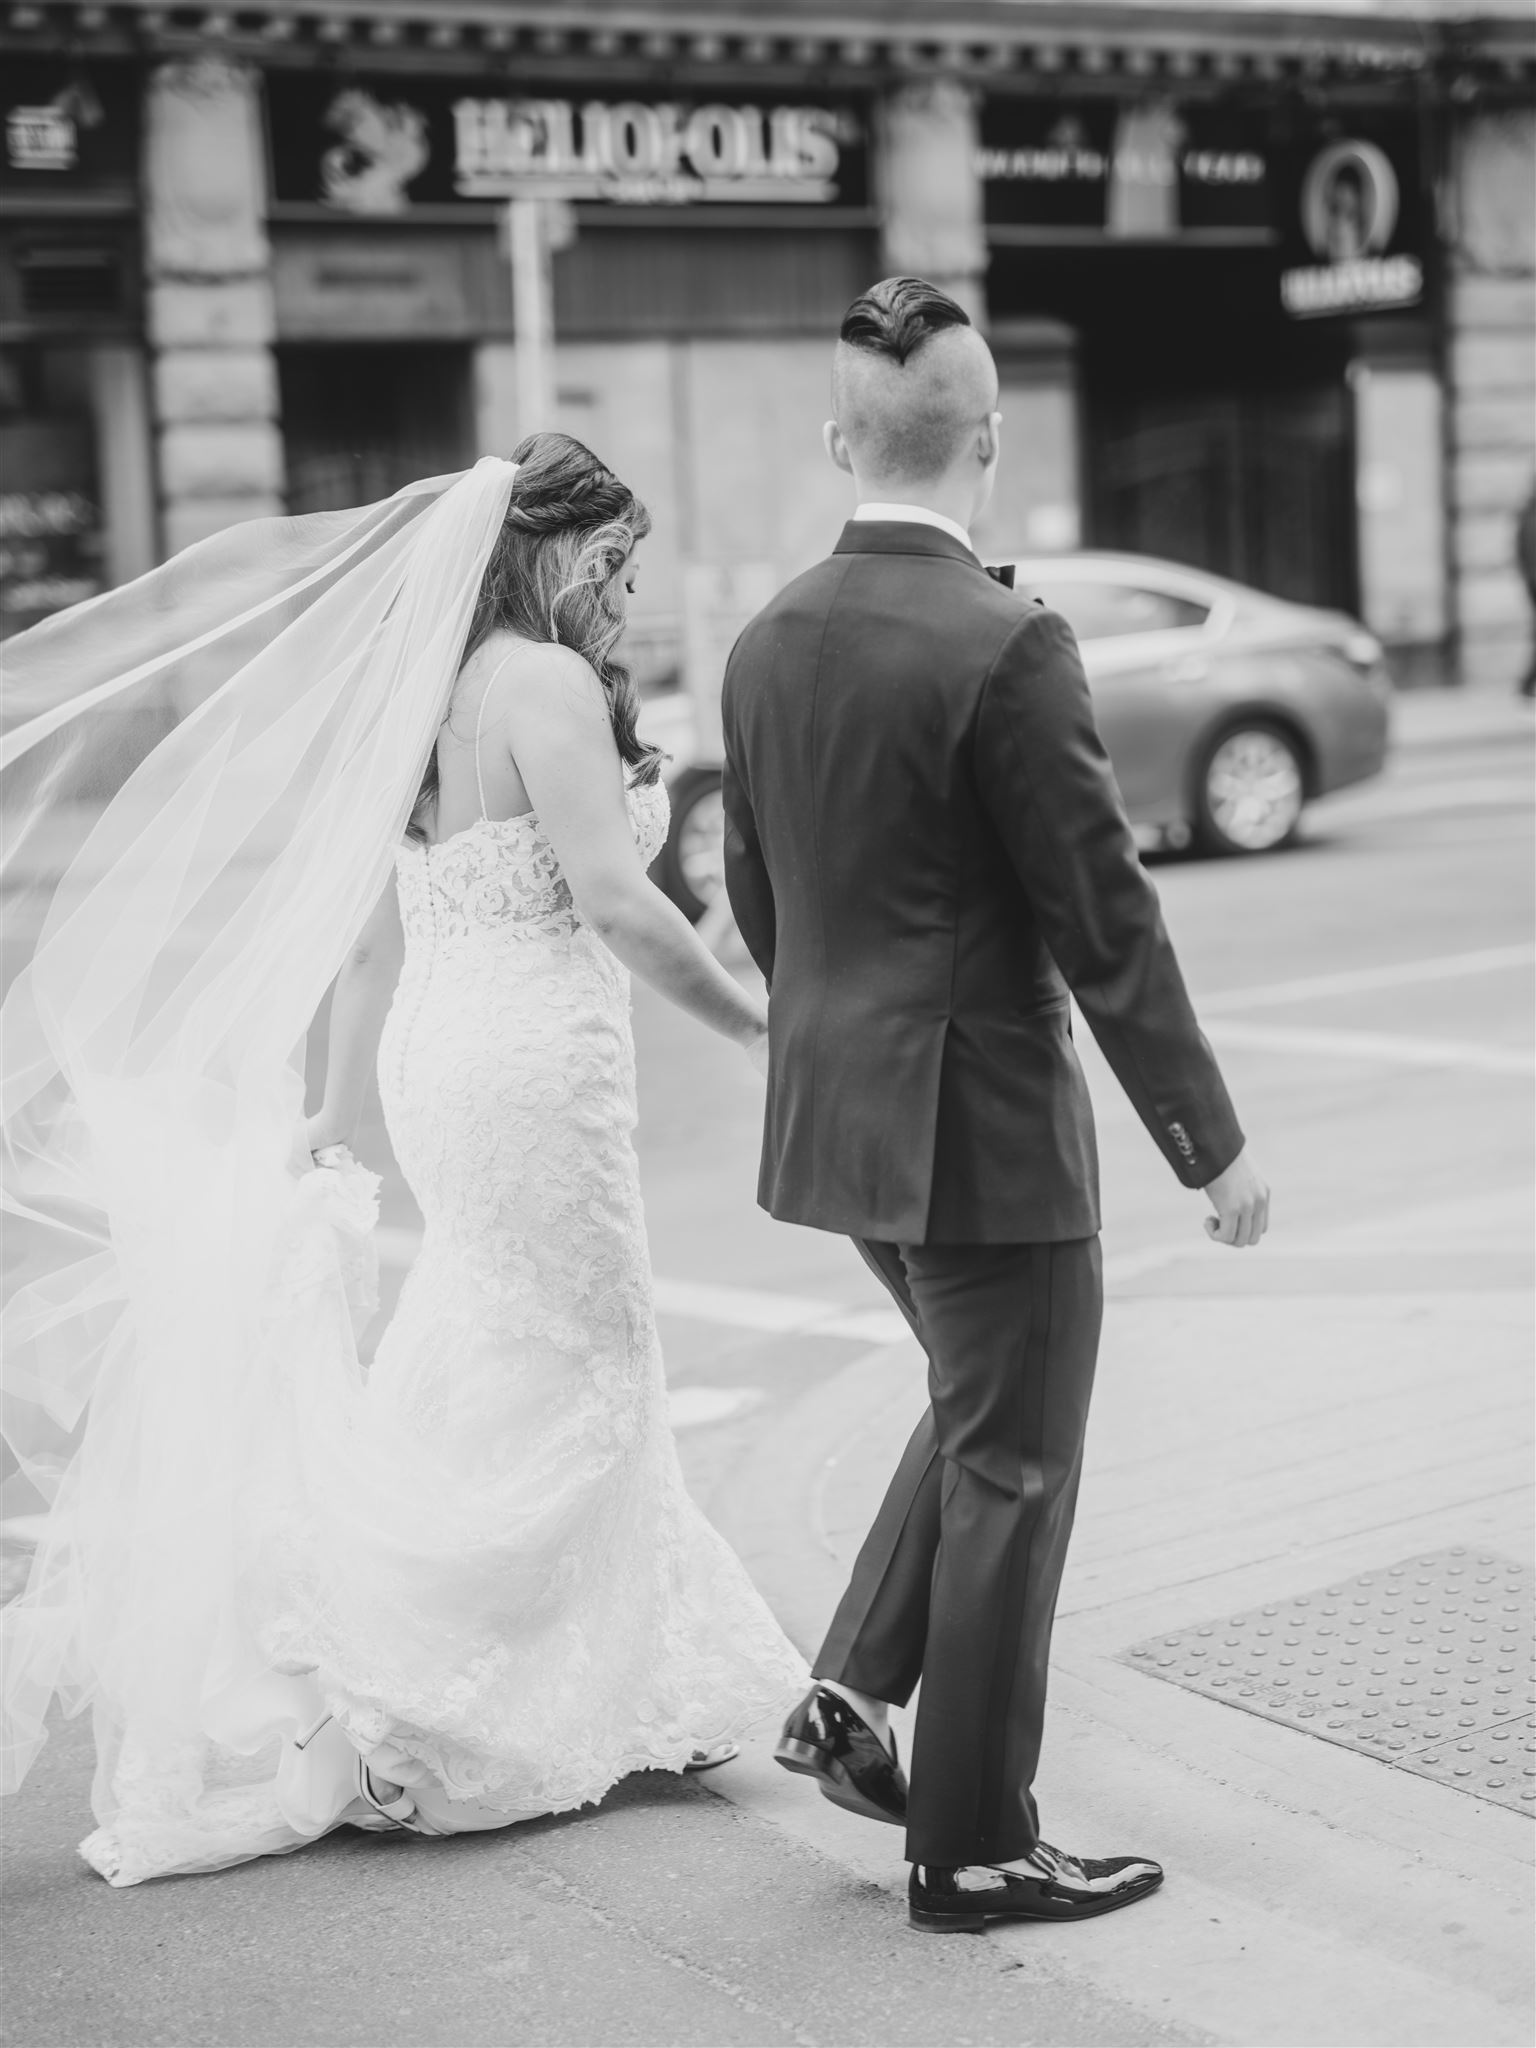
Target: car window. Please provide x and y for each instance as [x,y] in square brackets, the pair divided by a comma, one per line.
[1106,611]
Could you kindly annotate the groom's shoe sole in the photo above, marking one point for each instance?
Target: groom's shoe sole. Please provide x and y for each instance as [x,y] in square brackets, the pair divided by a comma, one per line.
[832,1780]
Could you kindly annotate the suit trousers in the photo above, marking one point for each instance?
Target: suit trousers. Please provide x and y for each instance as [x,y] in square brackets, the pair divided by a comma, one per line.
[957,1580]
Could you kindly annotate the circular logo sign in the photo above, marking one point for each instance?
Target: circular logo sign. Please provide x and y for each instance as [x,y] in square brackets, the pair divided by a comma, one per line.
[1349,202]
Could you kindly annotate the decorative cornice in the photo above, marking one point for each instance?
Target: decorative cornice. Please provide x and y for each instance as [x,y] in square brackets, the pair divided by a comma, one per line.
[1002,42]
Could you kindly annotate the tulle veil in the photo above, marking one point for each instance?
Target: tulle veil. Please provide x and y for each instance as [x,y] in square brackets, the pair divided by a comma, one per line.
[204,776]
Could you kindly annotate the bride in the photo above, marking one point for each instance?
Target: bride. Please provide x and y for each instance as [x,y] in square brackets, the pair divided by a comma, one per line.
[390,749]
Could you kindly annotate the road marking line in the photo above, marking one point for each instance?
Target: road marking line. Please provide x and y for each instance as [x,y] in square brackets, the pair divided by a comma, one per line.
[1151,1258]
[1382,806]
[697,1407]
[1375,1048]
[1360,980]
[744,1308]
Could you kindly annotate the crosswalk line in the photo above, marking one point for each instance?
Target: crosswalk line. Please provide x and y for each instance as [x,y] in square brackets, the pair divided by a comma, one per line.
[698,1407]
[1374,1048]
[744,1308]
[1364,980]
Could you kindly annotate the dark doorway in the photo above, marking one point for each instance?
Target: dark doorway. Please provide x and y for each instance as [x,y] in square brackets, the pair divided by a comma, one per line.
[1216,429]
[1253,484]
[360,420]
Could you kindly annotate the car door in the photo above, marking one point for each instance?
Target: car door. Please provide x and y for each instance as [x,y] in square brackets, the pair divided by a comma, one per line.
[1146,652]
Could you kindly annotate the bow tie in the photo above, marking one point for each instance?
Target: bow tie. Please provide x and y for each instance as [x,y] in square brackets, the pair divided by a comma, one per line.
[1001,572]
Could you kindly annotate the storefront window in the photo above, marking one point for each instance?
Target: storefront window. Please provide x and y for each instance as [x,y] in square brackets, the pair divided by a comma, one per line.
[76,491]
[51,540]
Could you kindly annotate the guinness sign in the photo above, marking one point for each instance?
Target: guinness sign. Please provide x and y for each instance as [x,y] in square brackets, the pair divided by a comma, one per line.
[1349,206]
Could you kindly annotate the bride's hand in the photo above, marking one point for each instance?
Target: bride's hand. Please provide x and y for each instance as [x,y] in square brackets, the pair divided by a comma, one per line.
[756,1049]
[320,1137]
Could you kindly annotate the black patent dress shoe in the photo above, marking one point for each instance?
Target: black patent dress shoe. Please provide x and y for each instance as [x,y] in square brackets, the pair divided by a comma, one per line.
[826,1740]
[1057,1887]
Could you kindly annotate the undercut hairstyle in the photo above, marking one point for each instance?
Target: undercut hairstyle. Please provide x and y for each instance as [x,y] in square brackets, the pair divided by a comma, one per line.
[553,574]
[896,316]
[911,380]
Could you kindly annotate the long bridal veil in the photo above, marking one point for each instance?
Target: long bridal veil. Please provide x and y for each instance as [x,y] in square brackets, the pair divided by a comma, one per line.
[203,776]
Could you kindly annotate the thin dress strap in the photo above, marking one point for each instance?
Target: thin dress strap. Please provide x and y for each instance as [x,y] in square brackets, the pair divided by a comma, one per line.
[485,698]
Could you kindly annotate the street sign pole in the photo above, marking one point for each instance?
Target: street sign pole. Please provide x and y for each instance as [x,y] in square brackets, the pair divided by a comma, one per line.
[527,241]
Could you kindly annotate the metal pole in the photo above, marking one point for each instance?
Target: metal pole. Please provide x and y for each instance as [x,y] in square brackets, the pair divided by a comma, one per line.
[532,314]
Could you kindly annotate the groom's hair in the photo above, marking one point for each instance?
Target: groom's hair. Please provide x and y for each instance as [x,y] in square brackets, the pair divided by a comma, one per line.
[896,316]
[911,378]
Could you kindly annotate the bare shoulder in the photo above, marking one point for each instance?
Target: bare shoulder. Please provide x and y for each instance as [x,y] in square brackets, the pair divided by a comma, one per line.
[539,675]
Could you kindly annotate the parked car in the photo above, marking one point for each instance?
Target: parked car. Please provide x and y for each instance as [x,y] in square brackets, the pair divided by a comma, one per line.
[1225,711]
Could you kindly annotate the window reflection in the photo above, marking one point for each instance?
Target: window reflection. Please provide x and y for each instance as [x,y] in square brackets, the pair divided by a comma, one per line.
[1108,611]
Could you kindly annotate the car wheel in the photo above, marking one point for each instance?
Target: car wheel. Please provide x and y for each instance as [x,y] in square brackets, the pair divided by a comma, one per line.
[1250,789]
[691,866]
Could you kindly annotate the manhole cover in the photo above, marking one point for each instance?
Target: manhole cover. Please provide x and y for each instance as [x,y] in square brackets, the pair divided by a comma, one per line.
[1426,1664]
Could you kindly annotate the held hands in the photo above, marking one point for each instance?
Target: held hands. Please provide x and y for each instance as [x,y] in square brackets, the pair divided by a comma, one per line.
[1240,1197]
[322,1144]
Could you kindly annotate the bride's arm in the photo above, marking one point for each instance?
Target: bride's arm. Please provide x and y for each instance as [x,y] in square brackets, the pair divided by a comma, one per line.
[554,718]
[359,1003]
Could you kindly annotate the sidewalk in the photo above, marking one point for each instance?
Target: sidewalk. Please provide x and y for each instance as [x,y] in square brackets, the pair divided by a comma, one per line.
[1438,718]
[1259,1433]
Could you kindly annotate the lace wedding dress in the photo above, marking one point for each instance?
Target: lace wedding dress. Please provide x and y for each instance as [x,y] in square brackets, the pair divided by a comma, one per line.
[482,1561]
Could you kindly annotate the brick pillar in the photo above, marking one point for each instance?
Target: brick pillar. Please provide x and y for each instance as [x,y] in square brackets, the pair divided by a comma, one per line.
[1492,377]
[930,193]
[210,313]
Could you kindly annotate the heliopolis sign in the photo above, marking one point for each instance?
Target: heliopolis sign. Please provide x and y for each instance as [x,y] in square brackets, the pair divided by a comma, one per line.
[371,148]
[648,153]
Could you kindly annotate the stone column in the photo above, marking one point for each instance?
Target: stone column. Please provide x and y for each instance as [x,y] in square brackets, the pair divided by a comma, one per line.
[1491,314]
[210,309]
[929,192]
[125,459]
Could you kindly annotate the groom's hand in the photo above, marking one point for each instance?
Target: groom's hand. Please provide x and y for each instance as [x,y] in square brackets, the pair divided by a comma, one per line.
[756,1050]
[1240,1197]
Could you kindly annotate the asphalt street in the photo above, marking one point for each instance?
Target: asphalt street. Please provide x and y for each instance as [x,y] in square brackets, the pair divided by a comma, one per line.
[1351,1397]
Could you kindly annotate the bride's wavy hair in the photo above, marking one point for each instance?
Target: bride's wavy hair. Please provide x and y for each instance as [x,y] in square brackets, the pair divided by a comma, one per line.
[554,575]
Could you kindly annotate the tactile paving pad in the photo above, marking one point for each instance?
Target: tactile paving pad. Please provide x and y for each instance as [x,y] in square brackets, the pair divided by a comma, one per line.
[1427,1664]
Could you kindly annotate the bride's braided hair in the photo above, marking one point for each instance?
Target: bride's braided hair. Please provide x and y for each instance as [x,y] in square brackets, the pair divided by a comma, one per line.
[552,575]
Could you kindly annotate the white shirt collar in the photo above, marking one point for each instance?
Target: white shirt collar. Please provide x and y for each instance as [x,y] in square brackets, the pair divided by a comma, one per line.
[916,515]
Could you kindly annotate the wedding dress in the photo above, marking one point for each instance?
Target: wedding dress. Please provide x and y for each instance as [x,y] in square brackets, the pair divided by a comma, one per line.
[546,1609]
[475,1562]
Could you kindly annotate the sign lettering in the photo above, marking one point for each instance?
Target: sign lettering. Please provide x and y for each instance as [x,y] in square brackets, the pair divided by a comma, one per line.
[642,153]
[41,139]
[1143,169]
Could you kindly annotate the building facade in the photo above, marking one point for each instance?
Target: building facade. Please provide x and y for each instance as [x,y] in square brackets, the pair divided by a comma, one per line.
[1261,284]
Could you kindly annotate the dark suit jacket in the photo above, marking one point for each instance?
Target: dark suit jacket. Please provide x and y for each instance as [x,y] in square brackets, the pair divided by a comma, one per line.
[923,837]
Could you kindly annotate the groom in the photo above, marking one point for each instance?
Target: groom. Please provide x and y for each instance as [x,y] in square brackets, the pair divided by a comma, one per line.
[925,851]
